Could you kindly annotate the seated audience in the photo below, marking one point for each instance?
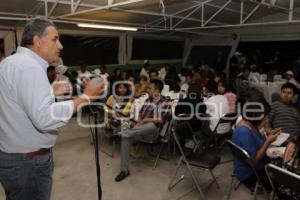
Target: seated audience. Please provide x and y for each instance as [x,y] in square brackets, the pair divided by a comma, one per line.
[172,79]
[83,72]
[225,89]
[284,113]
[119,106]
[241,83]
[289,75]
[192,104]
[154,113]
[141,87]
[153,74]
[217,107]
[145,69]
[254,75]
[248,137]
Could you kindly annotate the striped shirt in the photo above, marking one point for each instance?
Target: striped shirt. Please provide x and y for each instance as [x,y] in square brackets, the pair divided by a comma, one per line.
[286,117]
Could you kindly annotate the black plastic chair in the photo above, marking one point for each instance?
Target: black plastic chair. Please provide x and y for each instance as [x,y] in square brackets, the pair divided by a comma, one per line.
[226,122]
[279,176]
[193,159]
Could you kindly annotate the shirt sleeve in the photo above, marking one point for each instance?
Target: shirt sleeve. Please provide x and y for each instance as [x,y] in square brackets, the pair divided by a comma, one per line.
[36,97]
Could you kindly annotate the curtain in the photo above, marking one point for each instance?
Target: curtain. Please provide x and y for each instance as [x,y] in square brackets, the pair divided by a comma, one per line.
[122,50]
[9,41]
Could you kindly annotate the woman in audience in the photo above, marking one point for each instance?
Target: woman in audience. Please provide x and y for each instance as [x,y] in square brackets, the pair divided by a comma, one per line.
[172,79]
[141,87]
[225,89]
[248,137]
[119,106]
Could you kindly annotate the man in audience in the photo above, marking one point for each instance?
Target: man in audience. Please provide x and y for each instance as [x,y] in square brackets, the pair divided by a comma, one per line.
[83,72]
[145,69]
[153,74]
[241,82]
[289,75]
[284,114]
[154,113]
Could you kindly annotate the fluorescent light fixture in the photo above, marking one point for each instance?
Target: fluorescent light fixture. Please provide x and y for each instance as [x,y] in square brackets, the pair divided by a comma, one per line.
[122,28]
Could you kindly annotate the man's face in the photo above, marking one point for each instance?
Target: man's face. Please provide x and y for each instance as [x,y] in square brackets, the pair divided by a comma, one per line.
[153,75]
[49,46]
[83,69]
[153,92]
[287,95]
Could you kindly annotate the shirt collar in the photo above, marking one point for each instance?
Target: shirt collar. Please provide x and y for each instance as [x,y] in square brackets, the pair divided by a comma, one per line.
[44,64]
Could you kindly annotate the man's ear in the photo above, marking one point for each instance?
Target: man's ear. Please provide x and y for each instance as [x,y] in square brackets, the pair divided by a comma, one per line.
[36,41]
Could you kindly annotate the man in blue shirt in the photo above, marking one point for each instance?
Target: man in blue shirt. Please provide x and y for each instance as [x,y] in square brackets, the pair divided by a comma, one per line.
[30,117]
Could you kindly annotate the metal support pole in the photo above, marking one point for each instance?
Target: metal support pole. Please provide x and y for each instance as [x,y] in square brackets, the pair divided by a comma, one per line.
[291,12]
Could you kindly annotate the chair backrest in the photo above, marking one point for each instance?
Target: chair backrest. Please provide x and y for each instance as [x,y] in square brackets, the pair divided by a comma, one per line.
[181,127]
[239,153]
[242,155]
[225,123]
[164,130]
[283,177]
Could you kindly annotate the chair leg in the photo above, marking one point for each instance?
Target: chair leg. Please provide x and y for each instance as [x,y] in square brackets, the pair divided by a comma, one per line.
[214,178]
[255,190]
[230,188]
[196,182]
[171,184]
[158,155]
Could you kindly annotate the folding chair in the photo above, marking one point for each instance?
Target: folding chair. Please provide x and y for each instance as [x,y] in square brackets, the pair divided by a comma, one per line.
[195,159]
[242,155]
[163,138]
[223,130]
[280,176]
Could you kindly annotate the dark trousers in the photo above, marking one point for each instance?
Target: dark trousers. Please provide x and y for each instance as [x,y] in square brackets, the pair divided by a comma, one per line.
[26,178]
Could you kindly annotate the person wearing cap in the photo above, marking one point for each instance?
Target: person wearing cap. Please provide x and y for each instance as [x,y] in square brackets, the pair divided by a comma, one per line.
[290,78]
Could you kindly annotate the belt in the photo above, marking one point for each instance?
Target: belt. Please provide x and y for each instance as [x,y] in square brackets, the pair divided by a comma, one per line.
[34,153]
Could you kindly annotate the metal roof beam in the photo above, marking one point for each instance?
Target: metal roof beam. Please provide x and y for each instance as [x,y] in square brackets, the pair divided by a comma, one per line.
[52,8]
[239,25]
[160,14]
[76,5]
[251,13]
[97,8]
[216,13]
[187,16]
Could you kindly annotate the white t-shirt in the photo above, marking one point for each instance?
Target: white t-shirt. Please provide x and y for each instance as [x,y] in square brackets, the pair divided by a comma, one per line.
[86,74]
[217,107]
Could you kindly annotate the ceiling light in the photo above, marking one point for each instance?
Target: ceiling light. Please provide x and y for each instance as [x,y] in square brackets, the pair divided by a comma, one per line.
[101,26]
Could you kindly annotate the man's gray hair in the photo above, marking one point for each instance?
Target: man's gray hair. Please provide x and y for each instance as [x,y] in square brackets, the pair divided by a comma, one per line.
[34,27]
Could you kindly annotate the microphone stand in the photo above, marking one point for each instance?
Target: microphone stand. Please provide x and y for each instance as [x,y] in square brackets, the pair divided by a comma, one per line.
[96,147]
